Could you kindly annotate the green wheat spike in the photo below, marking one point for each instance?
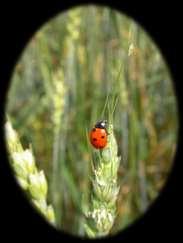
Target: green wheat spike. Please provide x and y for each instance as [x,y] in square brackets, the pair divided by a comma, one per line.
[102,213]
[29,178]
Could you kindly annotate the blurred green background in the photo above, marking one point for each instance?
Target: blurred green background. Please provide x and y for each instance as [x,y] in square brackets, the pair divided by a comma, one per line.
[58,91]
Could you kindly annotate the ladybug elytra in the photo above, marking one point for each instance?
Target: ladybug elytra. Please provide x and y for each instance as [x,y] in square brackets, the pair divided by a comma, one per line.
[98,135]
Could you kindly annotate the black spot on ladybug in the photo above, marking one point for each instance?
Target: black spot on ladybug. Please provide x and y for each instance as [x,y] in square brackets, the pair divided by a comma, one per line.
[94,129]
[94,139]
[102,137]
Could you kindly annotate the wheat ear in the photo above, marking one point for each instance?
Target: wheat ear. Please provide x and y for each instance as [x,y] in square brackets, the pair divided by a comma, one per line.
[101,215]
[28,176]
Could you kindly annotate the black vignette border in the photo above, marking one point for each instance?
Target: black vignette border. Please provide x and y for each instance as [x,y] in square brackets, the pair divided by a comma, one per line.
[18,22]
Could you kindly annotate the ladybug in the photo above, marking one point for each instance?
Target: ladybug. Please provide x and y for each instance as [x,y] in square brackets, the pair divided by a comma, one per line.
[98,135]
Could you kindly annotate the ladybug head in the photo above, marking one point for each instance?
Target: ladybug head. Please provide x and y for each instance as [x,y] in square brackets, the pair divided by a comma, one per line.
[101,124]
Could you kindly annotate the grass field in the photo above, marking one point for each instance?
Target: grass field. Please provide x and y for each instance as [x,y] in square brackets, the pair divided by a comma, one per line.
[58,92]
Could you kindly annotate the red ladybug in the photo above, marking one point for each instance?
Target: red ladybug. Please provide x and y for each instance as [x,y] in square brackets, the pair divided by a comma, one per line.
[98,135]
